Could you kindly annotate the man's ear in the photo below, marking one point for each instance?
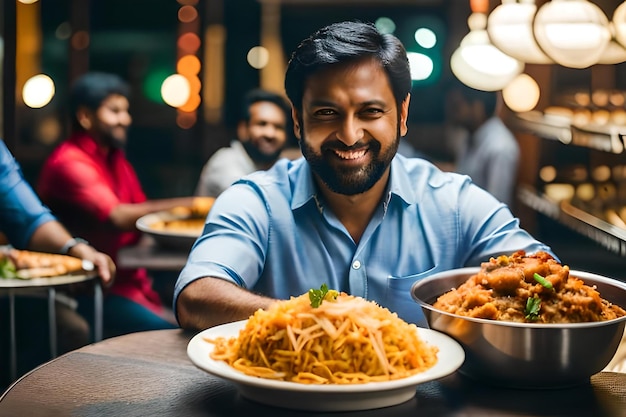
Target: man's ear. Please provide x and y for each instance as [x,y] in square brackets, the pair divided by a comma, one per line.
[296,124]
[83,115]
[404,115]
[242,131]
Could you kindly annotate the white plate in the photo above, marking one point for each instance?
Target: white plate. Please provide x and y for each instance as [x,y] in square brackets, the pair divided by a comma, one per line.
[182,239]
[47,281]
[312,397]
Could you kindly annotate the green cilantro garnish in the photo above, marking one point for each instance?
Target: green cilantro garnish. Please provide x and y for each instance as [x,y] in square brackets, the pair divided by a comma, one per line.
[317,296]
[547,284]
[533,305]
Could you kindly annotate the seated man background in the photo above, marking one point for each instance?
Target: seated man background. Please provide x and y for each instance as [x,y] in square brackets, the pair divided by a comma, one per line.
[90,184]
[26,223]
[489,152]
[263,133]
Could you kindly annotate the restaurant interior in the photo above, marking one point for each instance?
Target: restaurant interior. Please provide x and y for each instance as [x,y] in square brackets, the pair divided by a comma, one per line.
[223,47]
[568,129]
[190,61]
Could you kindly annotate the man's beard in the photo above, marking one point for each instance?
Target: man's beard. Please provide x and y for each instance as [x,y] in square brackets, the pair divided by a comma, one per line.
[114,141]
[349,181]
[258,156]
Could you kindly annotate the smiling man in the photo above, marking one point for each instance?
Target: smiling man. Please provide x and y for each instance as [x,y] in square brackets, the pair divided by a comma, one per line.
[350,213]
[92,187]
[261,138]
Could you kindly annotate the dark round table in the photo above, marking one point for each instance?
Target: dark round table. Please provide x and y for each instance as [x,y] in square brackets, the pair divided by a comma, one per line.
[149,374]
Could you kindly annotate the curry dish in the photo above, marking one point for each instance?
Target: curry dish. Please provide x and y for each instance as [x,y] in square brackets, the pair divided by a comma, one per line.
[187,226]
[186,220]
[529,289]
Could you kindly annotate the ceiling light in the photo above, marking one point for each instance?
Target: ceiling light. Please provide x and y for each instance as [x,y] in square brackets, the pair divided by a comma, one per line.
[614,53]
[510,28]
[478,63]
[619,24]
[521,94]
[574,33]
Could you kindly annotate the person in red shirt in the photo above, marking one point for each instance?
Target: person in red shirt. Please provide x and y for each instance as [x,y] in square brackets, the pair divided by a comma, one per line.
[88,182]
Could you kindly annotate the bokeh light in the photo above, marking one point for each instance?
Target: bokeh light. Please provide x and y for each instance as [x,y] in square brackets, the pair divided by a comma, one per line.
[258,57]
[188,43]
[175,90]
[186,120]
[187,14]
[425,38]
[80,40]
[38,91]
[188,65]
[385,25]
[63,31]
[192,104]
[422,66]
[521,94]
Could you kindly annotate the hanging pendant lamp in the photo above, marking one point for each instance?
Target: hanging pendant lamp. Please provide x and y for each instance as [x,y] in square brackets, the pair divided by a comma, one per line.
[574,33]
[477,62]
[510,29]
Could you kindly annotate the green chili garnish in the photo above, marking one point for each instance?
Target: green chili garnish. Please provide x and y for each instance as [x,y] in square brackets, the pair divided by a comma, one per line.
[547,284]
[317,296]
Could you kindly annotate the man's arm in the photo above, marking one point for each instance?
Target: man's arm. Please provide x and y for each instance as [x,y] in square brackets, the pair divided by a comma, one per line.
[207,302]
[52,236]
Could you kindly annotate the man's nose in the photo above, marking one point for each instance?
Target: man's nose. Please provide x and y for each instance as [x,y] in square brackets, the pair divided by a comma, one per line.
[350,131]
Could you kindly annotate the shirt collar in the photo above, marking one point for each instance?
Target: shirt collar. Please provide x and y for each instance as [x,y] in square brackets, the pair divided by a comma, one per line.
[88,144]
[304,186]
[305,189]
[399,182]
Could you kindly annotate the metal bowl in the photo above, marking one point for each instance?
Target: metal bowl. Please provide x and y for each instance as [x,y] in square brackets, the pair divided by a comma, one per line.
[526,355]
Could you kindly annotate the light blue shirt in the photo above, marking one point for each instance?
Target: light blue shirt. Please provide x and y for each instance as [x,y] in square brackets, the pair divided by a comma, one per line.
[272,233]
[21,210]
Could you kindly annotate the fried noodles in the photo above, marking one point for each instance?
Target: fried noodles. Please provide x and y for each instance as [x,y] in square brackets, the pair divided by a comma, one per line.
[346,341]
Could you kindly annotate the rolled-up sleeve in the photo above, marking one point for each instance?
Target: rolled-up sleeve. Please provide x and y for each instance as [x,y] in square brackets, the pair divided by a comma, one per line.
[21,210]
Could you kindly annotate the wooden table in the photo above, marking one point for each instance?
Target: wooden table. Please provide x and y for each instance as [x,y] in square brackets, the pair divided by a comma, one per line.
[149,374]
[14,287]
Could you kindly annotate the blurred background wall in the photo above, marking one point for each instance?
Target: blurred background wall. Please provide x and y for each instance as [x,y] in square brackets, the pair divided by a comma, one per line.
[143,41]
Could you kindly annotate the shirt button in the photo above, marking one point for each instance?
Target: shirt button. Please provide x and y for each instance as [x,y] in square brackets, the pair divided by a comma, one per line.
[356,265]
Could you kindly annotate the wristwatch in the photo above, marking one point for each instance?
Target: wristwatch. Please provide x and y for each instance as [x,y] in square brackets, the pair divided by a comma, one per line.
[70,244]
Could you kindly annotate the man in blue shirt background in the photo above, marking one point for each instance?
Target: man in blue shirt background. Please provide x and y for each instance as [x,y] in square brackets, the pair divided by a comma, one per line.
[350,213]
[27,224]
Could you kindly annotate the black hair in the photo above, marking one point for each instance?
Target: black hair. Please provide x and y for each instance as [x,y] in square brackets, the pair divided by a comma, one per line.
[345,42]
[257,94]
[92,88]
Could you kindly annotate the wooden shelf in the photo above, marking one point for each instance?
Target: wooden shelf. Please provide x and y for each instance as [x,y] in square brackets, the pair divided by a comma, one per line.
[610,237]
[606,138]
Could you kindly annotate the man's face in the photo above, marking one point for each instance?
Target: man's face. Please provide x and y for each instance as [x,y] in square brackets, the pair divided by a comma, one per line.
[265,134]
[111,122]
[350,125]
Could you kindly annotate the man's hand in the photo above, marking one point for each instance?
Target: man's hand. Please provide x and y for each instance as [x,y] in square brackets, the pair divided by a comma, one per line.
[103,262]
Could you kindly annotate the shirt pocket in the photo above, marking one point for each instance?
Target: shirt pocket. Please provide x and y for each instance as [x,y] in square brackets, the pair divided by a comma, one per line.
[400,300]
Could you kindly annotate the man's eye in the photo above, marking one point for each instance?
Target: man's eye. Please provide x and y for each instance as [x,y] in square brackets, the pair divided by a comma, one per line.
[325,112]
[373,111]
